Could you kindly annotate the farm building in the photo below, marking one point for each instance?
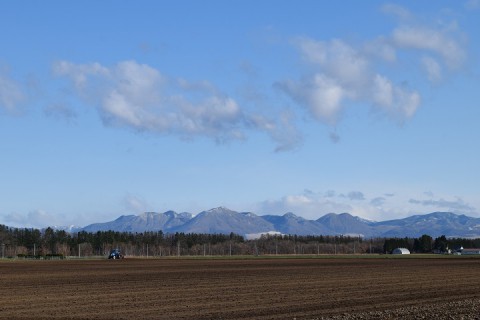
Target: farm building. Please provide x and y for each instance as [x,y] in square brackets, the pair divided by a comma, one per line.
[470,251]
[401,251]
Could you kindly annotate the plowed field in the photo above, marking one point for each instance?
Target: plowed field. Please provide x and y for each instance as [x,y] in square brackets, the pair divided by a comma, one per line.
[241,289]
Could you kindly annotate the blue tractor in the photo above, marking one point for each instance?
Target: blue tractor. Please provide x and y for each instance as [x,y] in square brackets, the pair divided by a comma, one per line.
[115,254]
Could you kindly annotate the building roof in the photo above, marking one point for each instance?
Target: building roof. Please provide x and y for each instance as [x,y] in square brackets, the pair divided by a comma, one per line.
[401,250]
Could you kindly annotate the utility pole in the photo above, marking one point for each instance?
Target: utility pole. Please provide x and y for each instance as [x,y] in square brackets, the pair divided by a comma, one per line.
[79,250]
[34,247]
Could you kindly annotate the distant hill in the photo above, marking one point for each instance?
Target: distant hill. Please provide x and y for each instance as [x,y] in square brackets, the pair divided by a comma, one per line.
[345,223]
[434,224]
[148,221]
[224,220]
[292,224]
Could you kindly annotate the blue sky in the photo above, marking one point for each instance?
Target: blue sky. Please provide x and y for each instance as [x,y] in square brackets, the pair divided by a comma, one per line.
[111,108]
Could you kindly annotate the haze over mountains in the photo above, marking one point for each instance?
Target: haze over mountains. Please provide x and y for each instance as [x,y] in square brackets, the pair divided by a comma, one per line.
[223,220]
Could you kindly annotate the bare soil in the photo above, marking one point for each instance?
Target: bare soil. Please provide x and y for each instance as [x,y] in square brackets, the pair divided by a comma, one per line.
[241,289]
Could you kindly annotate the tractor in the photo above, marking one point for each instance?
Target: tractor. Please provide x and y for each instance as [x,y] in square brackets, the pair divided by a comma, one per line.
[115,254]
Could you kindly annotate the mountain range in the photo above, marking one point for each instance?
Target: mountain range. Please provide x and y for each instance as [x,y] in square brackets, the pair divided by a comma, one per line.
[223,220]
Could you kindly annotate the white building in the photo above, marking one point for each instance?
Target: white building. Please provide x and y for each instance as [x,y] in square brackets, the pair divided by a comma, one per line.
[473,251]
[401,251]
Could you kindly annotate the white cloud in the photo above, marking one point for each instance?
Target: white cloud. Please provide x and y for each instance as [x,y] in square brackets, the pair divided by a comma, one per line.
[458,205]
[407,102]
[309,206]
[313,205]
[397,10]
[322,96]
[338,59]
[138,96]
[34,219]
[397,101]
[342,74]
[380,48]
[382,91]
[442,40]
[79,73]
[39,218]
[11,93]
[430,40]
[283,131]
[432,68]
[345,75]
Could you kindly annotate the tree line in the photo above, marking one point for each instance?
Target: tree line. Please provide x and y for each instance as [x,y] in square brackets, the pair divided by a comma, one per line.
[28,242]
[426,244]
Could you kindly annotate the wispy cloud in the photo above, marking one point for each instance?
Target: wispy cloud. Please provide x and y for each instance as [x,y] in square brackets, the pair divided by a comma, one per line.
[472,4]
[60,111]
[282,130]
[312,205]
[308,205]
[138,96]
[429,194]
[436,41]
[11,93]
[432,68]
[40,218]
[334,137]
[457,206]
[356,195]
[398,11]
[378,201]
[135,204]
